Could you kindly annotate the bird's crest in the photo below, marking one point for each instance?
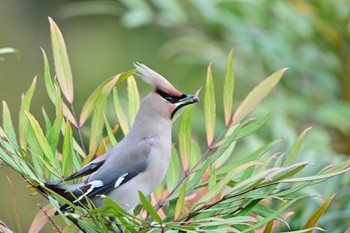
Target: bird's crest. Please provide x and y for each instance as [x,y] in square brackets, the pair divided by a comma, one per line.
[156,80]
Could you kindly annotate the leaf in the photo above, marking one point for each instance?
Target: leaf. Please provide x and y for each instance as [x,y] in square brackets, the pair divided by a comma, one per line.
[251,128]
[222,184]
[180,201]
[120,114]
[8,50]
[312,222]
[269,227]
[264,221]
[292,154]
[62,65]
[105,86]
[173,174]
[54,133]
[184,135]
[229,83]
[67,155]
[209,107]
[7,123]
[256,96]
[133,100]
[314,178]
[41,139]
[23,120]
[150,208]
[50,89]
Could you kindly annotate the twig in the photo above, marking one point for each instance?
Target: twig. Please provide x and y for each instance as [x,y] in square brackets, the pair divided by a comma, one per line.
[58,229]
[190,171]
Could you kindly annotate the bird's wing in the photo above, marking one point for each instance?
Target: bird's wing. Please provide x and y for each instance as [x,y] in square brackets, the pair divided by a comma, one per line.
[89,168]
[111,175]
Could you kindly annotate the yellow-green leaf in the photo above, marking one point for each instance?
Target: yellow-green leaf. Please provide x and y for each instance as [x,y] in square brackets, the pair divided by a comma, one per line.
[180,201]
[229,83]
[23,120]
[150,208]
[54,132]
[222,184]
[50,89]
[173,174]
[67,155]
[292,154]
[40,138]
[184,135]
[256,96]
[7,122]
[312,222]
[106,87]
[134,100]
[209,107]
[62,65]
[120,113]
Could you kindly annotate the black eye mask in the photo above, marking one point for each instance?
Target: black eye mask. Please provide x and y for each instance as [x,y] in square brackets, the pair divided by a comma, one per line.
[170,98]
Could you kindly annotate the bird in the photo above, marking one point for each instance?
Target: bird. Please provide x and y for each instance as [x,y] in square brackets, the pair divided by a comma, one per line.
[139,162]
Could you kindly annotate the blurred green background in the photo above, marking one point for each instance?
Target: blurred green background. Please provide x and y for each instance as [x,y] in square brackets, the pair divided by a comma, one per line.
[179,39]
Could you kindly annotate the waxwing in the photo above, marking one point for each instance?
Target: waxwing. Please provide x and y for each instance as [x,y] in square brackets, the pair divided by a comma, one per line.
[140,161]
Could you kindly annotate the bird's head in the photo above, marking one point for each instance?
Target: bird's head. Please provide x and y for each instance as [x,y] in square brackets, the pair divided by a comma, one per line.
[165,98]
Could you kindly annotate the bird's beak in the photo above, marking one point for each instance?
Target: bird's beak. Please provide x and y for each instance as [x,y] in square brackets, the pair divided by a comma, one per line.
[188,99]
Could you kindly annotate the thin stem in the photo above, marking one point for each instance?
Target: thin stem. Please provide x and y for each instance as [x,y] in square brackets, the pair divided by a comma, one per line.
[79,129]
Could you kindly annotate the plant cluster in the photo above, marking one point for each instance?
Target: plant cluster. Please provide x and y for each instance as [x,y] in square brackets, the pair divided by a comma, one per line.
[204,191]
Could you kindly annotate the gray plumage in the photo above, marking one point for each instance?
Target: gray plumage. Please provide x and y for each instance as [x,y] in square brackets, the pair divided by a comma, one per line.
[139,162]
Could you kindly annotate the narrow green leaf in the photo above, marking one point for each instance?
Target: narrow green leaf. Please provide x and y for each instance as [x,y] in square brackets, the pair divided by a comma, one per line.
[23,120]
[180,201]
[62,65]
[134,100]
[7,123]
[41,139]
[184,136]
[251,157]
[222,184]
[256,96]
[195,153]
[105,86]
[50,89]
[314,178]
[212,178]
[97,122]
[252,127]
[269,227]
[173,174]
[111,137]
[272,216]
[312,222]
[120,113]
[54,133]
[229,83]
[67,155]
[150,208]
[209,107]
[292,154]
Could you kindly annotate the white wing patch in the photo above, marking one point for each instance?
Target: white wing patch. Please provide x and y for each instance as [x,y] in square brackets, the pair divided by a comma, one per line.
[93,184]
[120,180]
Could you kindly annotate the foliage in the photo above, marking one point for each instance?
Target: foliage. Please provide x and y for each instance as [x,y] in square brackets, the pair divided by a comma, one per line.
[212,190]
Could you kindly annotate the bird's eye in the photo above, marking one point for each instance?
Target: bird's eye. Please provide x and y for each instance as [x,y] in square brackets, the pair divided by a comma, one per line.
[169,98]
